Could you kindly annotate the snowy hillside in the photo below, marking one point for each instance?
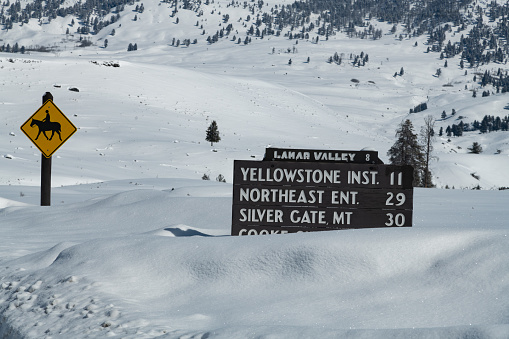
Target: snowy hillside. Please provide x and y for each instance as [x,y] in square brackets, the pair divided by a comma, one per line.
[256,97]
[137,245]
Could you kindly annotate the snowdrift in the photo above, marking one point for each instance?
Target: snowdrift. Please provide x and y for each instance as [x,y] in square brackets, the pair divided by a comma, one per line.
[153,263]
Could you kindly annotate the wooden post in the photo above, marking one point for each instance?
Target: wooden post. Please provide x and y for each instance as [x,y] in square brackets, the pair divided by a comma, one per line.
[46,169]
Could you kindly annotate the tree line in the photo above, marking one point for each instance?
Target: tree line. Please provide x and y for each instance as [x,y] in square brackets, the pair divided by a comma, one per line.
[482,43]
[488,124]
[416,151]
[296,20]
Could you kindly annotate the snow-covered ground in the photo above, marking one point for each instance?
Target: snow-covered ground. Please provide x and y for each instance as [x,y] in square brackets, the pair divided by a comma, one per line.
[136,245]
[158,261]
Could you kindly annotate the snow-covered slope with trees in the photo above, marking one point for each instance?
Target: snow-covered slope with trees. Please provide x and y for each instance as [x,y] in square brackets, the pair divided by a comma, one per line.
[136,245]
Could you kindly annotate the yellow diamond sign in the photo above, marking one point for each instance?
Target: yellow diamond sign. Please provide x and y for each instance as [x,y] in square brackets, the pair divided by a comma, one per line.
[48,128]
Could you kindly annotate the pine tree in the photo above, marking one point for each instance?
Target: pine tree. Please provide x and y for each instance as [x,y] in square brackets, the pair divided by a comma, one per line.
[407,151]
[213,133]
[448,131]
[476,148]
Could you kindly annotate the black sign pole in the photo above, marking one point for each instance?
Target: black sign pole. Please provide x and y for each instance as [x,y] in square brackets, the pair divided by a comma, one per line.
[46,168]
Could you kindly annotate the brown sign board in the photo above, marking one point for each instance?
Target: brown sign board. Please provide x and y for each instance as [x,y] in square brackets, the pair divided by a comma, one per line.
[293,220]
[360,198]
[272,197]
[307,155]
[247,215]
[274,173]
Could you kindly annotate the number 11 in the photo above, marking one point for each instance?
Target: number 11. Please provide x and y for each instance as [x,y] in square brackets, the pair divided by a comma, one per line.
[399,178]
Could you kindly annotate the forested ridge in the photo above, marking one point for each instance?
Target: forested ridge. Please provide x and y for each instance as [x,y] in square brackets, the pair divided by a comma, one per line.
[483,30]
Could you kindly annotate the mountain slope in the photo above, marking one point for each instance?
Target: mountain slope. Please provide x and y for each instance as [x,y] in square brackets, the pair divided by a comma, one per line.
[251,90]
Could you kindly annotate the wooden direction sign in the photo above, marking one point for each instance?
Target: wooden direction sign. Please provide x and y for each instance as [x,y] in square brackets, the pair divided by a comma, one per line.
[307,155]
[285,197]
[48,128]
[322,196]
[322,174]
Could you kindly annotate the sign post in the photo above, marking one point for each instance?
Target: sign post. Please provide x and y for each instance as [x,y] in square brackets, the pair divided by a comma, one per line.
[46,168]
[346,189]
[48,128]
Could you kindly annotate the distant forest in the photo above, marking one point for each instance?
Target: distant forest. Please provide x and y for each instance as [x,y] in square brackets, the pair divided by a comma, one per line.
[488,124]
[484,31]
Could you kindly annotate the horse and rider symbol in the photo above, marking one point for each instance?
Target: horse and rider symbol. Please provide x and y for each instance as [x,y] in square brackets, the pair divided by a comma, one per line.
[46,125]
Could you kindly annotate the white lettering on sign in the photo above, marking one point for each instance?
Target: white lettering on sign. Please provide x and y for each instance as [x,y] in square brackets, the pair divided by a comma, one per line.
[292,155]
[278,195]
[340,197]
[261,232]
[330,156]
[362,177]
[261,215]
[308,217]
[342,218]
[316,176]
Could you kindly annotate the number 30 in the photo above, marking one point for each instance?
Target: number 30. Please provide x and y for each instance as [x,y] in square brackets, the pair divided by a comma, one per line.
[398,220]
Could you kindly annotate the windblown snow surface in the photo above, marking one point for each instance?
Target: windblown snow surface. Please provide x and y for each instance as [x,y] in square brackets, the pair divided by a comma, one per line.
[159,263]
[136,245]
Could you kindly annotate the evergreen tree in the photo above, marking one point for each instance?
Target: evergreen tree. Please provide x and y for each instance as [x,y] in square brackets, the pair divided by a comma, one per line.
[407,151]
[448,131]
[212,133]
[476,148]
[484,128]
